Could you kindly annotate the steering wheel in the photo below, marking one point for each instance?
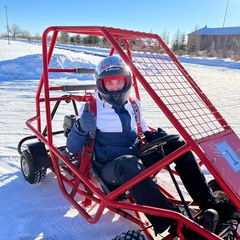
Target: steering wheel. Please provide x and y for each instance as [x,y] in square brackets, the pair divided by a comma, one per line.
[154,145]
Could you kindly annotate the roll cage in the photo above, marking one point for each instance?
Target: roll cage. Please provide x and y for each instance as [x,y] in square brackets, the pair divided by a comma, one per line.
[158,71]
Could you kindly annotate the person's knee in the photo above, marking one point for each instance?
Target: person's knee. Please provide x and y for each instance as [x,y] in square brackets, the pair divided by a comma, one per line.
[128,167]
[121,169]
[169,148]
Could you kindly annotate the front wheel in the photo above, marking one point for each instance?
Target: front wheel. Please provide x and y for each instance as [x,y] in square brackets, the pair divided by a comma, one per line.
[130,235]
[28,168]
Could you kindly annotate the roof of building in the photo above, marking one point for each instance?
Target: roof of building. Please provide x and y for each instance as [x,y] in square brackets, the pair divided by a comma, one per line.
[217,31]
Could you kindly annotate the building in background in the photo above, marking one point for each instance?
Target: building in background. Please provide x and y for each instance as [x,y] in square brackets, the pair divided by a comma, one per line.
[218,39]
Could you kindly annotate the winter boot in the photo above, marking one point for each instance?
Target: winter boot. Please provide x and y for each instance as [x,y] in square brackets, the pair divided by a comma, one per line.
[224,207]
[209,221]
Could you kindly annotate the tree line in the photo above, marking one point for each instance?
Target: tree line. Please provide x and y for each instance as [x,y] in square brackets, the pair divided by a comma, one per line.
[177,43]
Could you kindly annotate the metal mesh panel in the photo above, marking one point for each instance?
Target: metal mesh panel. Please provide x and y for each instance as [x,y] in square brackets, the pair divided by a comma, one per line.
[176,92]
[170,82]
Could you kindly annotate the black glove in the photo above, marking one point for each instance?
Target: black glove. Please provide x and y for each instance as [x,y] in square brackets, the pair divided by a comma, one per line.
[87,122]
[151,135]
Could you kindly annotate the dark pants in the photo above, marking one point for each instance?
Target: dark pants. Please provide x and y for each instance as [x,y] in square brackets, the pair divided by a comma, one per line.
[122,169]
[191,176]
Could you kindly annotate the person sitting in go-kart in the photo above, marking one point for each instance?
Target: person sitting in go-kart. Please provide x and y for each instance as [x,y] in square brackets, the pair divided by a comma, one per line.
[117,152]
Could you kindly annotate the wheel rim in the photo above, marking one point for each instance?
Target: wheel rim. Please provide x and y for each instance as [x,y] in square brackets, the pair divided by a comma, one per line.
[25,167]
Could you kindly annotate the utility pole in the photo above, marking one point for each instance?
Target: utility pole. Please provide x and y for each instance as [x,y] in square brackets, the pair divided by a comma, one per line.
[6,8]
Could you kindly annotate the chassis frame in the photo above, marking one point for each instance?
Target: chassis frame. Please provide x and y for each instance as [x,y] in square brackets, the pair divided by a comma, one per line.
[158,71]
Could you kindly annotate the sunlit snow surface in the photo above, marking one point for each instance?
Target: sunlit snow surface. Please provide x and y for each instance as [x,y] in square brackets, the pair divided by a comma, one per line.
[40,211]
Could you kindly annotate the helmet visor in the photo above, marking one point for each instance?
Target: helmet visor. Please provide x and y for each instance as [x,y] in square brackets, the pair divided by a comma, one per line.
[115,83]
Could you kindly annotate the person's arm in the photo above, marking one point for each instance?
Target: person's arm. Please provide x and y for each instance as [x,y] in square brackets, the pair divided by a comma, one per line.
[75,140]
[79,133]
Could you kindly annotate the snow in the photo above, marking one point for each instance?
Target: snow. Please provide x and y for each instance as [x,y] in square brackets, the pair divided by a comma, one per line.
[40,211]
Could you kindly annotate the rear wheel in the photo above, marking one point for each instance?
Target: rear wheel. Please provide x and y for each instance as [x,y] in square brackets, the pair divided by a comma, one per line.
[28,168]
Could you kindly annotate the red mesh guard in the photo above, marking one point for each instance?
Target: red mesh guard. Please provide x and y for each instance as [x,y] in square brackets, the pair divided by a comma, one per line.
[172,84]
[174,89]
[184,104]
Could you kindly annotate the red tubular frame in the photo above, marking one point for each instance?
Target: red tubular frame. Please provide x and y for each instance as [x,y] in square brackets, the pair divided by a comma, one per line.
[131,54]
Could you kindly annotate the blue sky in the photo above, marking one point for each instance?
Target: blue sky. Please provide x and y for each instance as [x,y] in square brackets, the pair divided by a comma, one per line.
[154,16]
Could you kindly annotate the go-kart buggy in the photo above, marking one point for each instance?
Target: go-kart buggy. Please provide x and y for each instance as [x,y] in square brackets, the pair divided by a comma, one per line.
[158,79]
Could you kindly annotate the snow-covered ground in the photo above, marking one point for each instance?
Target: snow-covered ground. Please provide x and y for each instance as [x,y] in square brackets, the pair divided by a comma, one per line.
[40,211]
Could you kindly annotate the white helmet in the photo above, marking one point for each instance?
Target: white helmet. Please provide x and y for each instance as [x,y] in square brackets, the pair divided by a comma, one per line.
[113,66]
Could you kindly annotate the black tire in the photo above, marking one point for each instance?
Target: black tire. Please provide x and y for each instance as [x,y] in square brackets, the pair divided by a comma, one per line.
[130,235]
[28,170]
